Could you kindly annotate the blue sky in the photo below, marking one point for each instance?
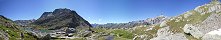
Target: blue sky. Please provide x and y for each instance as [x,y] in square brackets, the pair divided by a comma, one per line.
[99,11]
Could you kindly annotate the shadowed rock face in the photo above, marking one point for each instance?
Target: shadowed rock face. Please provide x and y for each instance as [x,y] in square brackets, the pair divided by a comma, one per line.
[60,18]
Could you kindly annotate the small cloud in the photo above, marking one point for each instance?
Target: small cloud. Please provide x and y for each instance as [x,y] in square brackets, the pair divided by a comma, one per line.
[99,19]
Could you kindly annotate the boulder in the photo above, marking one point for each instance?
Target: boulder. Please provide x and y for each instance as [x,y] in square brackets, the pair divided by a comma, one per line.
[194,31]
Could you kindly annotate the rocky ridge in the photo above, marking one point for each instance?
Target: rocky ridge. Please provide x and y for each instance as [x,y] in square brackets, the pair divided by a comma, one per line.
[24,22]
[197,23]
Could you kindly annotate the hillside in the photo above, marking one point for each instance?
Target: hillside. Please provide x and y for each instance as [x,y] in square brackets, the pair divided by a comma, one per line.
[11,31]
[197,24]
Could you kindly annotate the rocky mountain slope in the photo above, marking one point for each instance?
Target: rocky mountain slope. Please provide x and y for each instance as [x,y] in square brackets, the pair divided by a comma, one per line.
[11,31]
[61,18]
[201,23]
[196,24]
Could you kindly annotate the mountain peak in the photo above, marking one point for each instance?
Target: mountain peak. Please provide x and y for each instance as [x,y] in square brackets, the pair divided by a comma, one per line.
[62,10]
[60,18]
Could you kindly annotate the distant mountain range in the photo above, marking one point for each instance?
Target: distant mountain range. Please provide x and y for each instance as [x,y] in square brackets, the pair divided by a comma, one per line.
[24,22]
[149,21]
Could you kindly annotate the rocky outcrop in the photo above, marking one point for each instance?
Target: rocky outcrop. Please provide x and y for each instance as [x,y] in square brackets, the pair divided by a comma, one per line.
[213,6]
[4,35]
[177,36]
[210,24]
[163,24]
[163,31]
[194,31]
[201,29]
[165,34]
